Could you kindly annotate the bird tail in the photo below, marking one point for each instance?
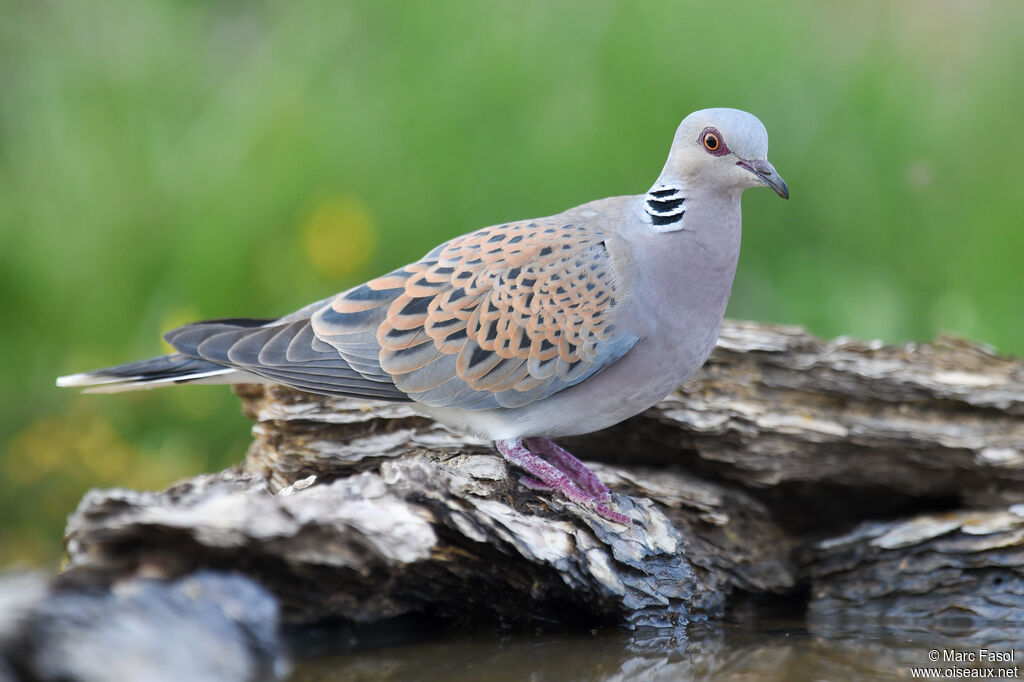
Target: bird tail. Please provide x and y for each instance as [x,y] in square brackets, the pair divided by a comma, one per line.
[165,370]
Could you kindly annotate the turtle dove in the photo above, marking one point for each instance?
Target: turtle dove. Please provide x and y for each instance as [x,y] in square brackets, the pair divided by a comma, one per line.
[523,331]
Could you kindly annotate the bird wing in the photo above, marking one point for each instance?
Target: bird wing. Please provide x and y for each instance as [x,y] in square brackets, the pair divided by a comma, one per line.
[285,351]
[500,317]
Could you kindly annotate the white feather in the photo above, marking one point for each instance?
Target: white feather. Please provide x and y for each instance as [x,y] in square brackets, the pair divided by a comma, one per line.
[98,383]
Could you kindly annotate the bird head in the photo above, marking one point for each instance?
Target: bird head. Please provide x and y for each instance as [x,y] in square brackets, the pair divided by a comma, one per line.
[724,149]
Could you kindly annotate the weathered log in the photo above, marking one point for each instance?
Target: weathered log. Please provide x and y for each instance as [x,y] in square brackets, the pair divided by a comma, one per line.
[364,511]
[847,427]
[207,626]
[447,534]
[961,566]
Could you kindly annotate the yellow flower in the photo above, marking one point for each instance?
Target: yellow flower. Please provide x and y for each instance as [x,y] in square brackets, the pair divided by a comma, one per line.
[339,236]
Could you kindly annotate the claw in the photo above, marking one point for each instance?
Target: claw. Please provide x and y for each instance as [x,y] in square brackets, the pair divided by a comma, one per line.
[564,460]
[544,475]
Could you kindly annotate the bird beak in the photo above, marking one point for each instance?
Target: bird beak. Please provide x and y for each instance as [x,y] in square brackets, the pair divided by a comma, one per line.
[767,174]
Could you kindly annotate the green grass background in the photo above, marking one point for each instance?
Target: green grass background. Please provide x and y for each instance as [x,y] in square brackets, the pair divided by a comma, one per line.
[162,161]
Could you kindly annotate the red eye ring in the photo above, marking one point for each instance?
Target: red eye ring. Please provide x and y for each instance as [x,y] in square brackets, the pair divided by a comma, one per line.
[712,142]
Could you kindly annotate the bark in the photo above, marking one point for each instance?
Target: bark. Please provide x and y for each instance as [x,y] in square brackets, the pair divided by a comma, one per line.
[366,511]
[962,565]
[206,626]
[447,534]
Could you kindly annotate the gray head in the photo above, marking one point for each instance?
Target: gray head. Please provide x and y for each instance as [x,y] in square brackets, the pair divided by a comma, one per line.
[723,150]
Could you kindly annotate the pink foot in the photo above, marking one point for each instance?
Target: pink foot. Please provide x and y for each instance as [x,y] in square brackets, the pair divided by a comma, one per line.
[543,475]
[564,460]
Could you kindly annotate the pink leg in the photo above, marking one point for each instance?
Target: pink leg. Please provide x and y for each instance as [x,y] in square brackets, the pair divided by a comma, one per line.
[565,461]
[547,475]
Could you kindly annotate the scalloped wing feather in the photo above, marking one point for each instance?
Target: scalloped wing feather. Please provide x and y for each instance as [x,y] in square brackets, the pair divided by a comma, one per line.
[500,317]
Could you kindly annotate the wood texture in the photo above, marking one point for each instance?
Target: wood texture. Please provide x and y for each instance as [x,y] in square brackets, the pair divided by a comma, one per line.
[749,481]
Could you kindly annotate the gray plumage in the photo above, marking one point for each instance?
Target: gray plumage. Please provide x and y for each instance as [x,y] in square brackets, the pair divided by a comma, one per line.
[546,327]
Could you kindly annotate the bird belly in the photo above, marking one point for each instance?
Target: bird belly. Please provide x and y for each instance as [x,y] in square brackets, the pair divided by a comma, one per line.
[638,381]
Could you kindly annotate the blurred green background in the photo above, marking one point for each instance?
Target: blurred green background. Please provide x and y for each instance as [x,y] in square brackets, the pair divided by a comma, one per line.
[162,161]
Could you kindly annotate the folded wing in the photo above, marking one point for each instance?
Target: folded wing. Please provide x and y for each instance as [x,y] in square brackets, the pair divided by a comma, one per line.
[500,317]
[285,352]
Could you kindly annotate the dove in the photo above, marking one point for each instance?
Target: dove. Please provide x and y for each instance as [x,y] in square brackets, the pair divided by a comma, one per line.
[524,331]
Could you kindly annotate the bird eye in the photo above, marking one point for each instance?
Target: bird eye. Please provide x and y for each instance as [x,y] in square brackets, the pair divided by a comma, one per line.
[712,140]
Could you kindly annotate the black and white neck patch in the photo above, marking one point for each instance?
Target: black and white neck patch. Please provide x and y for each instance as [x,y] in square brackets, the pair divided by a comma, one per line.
[665,205]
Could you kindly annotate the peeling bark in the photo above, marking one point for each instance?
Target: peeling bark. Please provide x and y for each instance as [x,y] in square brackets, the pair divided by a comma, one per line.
[447,534]
[365,511]
[207,626]
[963,565]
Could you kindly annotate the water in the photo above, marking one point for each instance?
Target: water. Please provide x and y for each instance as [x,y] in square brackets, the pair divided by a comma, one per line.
[768,650]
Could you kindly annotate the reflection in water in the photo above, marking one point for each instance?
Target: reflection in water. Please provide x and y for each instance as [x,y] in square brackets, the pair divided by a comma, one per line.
[768,651]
